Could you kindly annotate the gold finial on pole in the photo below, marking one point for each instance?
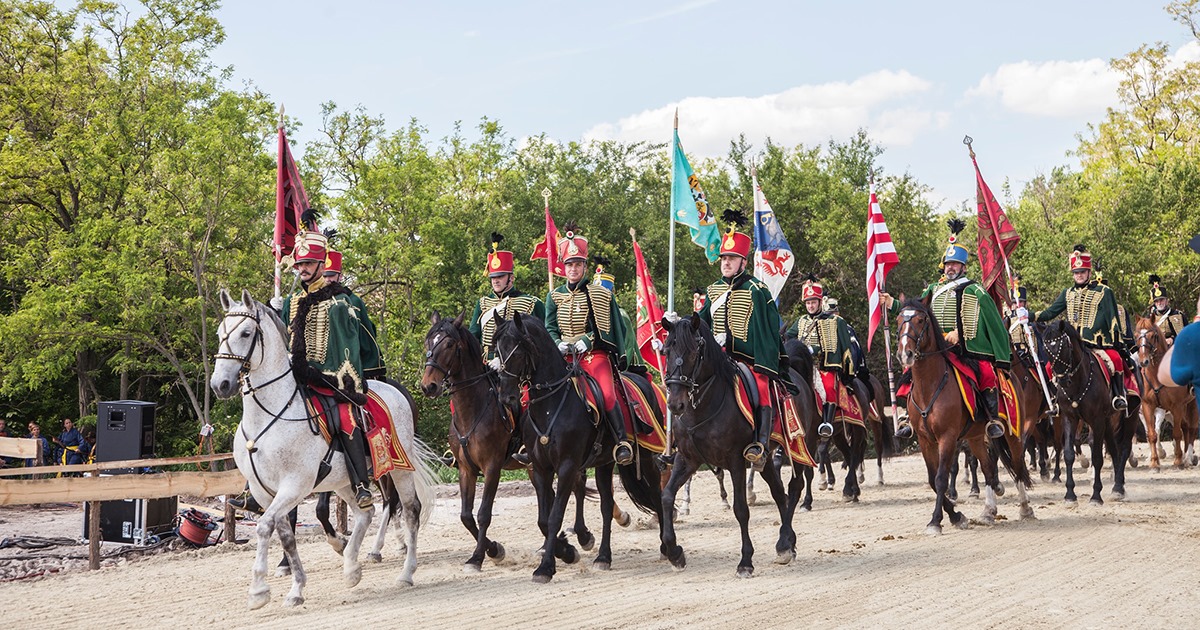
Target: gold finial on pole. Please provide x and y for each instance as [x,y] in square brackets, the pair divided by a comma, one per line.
[633,233]
[546,196]
[967,140]
[281,115]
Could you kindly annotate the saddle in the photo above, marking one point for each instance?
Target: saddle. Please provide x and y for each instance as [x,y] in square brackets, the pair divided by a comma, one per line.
[639,393]
[387,453]
[968,385]
[787,430]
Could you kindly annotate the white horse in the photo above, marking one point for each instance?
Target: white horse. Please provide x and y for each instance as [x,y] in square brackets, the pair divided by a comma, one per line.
[278,448]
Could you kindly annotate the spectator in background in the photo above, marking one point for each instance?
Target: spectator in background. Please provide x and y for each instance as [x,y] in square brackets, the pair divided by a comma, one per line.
[89,439]
[35,433]
[73,445]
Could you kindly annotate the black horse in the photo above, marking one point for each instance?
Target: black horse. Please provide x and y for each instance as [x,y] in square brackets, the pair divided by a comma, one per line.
[563,438]
[1083,399]
[709,428]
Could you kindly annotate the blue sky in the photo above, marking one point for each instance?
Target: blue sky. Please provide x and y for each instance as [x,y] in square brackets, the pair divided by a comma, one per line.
[1022,78]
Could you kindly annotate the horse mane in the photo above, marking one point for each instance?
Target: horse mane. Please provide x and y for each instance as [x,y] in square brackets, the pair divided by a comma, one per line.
[273,317]
[474,348]
[1151,328]
[541,345]
[1061,328]
[799,359]
[723,368]
[920,306]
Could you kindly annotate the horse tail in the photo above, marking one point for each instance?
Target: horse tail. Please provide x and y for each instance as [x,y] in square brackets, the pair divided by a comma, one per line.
[1020,474]
[639,489]
[423,480]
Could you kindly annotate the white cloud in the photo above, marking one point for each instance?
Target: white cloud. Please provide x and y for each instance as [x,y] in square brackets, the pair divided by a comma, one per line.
[809,114]
[1062,89]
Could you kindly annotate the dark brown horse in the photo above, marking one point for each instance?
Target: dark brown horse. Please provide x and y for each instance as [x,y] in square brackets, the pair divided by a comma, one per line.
[1083,399]
[481,426]
[1159,400]
[563,437]
[940,418]
[709,428]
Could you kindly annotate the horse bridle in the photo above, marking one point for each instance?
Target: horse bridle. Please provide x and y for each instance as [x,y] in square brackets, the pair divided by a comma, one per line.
[906,317]
[1060,343]
[551,388]
[1144,343]
[448,386]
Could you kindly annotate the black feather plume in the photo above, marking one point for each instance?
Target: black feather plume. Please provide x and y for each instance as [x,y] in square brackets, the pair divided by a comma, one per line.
[308,217]
[1154,279]
[736,217]
[956,225]
[494,243]
[600,260]
[811,278]
[570,226]
[1080,248]
[700,290]
[330,234]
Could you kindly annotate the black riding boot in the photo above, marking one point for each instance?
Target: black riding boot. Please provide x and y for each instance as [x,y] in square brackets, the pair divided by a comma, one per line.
[763,419]
[246,502]
[623,451]
[825,429]
[517,448]
[991,403]
[356,464]
[1118,392]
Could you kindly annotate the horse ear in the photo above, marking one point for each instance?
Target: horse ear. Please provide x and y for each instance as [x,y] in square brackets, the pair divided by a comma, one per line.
[226,301]
[459,320]
[667,325]
[434,317]
[695,322]
[247,301]
[927,300]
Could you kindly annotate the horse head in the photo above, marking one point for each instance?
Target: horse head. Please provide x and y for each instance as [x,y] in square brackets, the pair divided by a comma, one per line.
[920,334]
[445,347]
[688,369]
[522,348]
[1064,346]
[1150,342]
[241,346]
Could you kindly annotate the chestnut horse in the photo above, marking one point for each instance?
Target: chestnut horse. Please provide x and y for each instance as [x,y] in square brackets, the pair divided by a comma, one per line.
[940,419]
[1160,400]
[1083,399]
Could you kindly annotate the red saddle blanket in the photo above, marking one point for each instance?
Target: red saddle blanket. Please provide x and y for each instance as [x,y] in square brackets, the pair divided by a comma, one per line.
[387,454]
[655,439]
[968,384]
[787,431]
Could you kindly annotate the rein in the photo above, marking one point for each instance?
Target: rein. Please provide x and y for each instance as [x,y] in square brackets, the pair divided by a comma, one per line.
[906,320]
[697,391]
[1069,374]
[550,387]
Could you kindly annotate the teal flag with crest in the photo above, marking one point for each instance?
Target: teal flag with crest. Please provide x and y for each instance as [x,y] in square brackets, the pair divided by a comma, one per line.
[690,207]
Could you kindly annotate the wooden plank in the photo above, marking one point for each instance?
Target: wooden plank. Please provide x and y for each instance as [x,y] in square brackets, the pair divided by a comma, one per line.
[130,463]
[116,487]
[93,508]
[24,448]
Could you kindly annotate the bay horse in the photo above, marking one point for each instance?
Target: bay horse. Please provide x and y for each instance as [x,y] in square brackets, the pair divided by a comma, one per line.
[883,430]
[563,439]
[279,449]
[480,425]
[709,428]
[1159,400]
[940,418]
[1083,399]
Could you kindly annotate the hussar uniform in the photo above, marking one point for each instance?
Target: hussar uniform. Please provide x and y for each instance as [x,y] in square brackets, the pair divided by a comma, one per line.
[493,306]
[371,356]
[1168,320]
[585,321]
[828,339]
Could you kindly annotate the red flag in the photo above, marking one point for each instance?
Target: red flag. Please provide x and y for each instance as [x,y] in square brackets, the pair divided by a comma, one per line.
[547,248]
[290,201]
[649,312]
[997,240]
[881,257]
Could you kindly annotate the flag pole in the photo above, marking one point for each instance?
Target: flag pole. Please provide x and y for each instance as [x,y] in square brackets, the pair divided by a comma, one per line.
[279,176]
[887,336]
[1029,336]
[549,267]
[670,267]
[661,373]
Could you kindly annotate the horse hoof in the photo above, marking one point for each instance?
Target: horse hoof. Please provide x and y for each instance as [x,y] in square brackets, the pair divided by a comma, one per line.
[496,553]
[292,602]
[1084,463]
[933,530]
[570,555]
[587,543]
[283,571]
[602,566]
[751,498]
[1027,513]
[625,519]
[862,478]
[683,512]
[258,600]
[1162,452]
[680,561]
[1155,469]
[963,523]
[999,489]
[470,568]
[1118,496]
[987,518]
[541,579]
[1045,476]
[403,581]
[848,498]
[823,486]
[784,557]
[375,557]
[353,577]
[1133,462]
[974,494]
[745,572]
[805,508]
[338,544]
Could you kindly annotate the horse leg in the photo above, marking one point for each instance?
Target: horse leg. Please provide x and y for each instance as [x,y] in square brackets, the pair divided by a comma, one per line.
[284,568]
[411,509]
[351,568]
[1120,446]
[491,480]
[467,476]
[331,535]
[823,464]
[1177,432]
[391,500]
[720,474]
[681,472]
[807,473]
[935,470]
[751,498]
[850,486]
[737,476]
[287,539]
[879,449]
[973,470]
[604,484]
[785,547]
[556,544]
[952,485]
[980,458]
[1153,418]
[260,591]
[685,507]
[585,537]
[1097,463]
[1068,453]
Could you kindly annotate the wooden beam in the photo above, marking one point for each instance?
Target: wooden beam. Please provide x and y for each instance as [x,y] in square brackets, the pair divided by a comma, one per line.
[93,508]
[130,463]
[117,487]
[24,448]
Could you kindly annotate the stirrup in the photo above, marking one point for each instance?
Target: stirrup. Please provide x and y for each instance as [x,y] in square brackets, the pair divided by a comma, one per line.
[1120,403]
[904,430]
[753,452]
[448,459]
[825,429]
[995,429]
[522,457]
[664,460]
[623,453]
[363,496]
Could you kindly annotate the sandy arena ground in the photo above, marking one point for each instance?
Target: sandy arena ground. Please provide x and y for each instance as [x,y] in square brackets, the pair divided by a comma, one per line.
[1128,564]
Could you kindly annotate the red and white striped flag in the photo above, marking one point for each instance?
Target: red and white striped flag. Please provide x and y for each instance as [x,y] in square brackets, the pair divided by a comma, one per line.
[881,257]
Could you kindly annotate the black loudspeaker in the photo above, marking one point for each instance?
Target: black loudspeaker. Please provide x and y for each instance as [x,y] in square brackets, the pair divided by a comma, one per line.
[124,430]
[134,521]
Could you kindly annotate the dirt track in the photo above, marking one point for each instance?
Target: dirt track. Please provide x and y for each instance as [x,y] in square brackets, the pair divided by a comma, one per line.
[867,565]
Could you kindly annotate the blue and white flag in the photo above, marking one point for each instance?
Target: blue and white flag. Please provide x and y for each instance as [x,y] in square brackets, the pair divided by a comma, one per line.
[773,258]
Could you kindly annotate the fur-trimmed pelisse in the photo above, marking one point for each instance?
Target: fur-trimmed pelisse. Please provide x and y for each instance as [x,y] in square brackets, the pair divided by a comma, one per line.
[305,374]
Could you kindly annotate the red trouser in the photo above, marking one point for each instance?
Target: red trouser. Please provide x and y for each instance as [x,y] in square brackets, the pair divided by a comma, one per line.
[987,376]
[598,365]
[829,380]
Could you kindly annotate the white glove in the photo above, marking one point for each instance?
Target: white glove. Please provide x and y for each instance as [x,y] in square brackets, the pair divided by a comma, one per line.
[277,303]
[671,316]
[657,344]
[494,364]
[581,346]
[887,300]
[720,337]
[1022,314]
[563,347]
